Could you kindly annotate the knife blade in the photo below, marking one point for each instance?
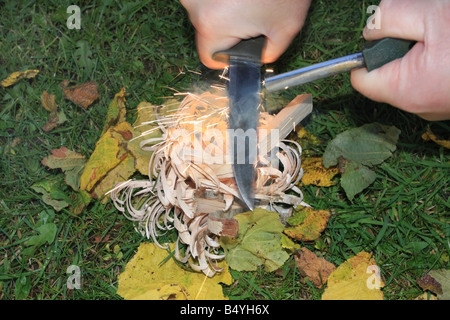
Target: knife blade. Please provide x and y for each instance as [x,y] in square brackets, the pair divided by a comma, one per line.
[244,94]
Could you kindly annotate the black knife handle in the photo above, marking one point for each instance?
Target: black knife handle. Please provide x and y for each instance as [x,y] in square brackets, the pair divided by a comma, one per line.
[380,52]
[249,49]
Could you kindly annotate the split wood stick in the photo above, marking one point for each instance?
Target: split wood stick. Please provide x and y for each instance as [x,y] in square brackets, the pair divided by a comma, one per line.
[285,122]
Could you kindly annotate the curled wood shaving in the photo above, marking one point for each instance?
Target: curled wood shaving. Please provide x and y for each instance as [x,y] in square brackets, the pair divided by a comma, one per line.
[190,180]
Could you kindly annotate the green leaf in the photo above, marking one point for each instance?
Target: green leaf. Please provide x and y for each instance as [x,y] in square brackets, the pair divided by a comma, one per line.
[83,56]
[79,201]
[47,188]
[369,145]
[355,178]
[70,162]
[22,288]
[258,242]
[47,233]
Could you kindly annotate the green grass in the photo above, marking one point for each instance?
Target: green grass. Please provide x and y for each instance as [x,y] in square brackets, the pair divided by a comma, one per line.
[148,48]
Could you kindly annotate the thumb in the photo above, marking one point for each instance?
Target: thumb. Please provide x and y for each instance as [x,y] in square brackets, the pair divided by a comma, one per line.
[394,83]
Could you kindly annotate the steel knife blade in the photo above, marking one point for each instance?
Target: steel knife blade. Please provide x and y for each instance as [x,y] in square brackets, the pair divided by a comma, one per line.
[244,94]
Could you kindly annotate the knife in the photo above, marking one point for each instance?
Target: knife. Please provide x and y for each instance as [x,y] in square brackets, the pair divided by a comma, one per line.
[374,55]
[244,95]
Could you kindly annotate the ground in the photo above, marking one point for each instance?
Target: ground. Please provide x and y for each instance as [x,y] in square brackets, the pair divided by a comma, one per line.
[148,47]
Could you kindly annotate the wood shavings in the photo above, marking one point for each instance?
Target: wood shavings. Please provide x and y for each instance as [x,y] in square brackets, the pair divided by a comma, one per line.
[191,186]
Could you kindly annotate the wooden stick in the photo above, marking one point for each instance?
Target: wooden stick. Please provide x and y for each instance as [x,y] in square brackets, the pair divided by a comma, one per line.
[285,122]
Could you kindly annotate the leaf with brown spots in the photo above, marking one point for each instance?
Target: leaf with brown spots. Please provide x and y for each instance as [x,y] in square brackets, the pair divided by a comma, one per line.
[70,162]
[16,76]
[110,162]
[314,173]
[307,223]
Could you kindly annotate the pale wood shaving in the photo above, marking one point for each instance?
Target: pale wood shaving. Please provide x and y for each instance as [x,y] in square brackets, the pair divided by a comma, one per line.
[184,189]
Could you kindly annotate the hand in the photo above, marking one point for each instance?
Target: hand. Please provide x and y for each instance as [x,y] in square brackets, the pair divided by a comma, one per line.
[419,82]
[220,24]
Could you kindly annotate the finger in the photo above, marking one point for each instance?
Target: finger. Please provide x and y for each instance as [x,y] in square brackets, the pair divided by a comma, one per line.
[276,45]
[402,19]
[206,48]
[392,82]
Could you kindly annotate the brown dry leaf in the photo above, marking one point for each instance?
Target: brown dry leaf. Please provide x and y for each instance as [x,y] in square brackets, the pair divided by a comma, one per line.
[427,282]
[316,174]
[358,278]
[48,102]
[16,76]
[307,223]
[55,118]
[314,268]
[151,276]
[429,135]
[83,94]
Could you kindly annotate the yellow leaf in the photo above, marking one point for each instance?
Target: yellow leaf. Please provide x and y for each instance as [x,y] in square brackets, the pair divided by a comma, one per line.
[147,278]
[16,76]
[108,154]
[307,223]
[116,112]
[358,278]
[316,174]
[429,135]
[307,140]
[122,172]
[144,128]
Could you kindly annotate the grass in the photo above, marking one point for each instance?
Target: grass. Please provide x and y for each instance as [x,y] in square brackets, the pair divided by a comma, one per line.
[148,47]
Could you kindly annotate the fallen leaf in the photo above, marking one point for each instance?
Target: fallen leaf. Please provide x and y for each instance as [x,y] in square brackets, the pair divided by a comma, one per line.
[426,296]
[369,144]
[314,173]
[110,163]
[16,76]
[102,160]
[358,278]
[116,112]
[101,239]
[288,244]
[258,242]
[79,201]
[48,102]
[70,162]
[438,282]
[55,118]
[50,190]
[120,173]
[355,178]
[429,135]
[306,139]
[147,277]
[83,94]
[314,268]
[427,282]
[307,223]
[144,128]
[46,233]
